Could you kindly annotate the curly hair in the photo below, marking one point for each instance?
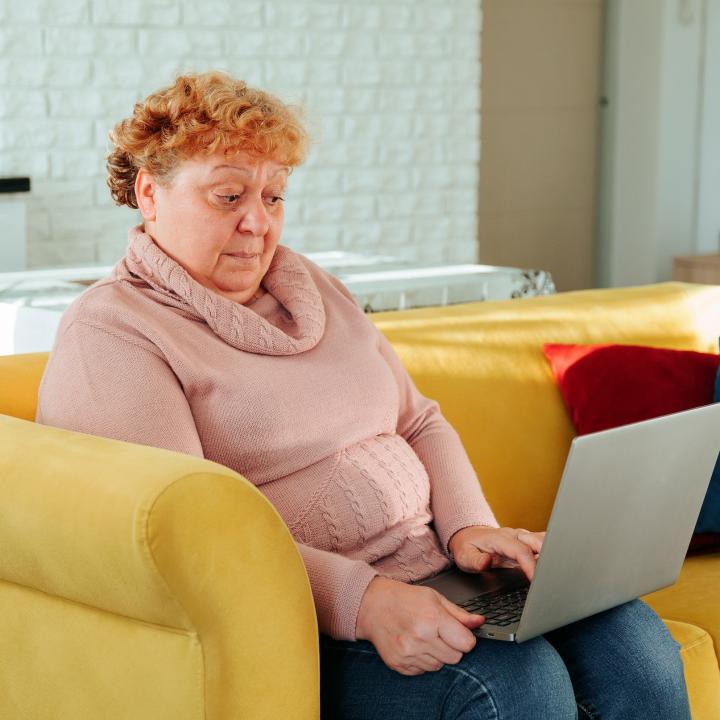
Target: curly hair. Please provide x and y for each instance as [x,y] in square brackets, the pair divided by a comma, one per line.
[201,113]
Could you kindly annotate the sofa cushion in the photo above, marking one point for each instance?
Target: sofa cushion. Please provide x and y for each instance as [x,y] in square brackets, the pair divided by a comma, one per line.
[701,668]
[483,362]
[605,386]
[695,596]
[709,519]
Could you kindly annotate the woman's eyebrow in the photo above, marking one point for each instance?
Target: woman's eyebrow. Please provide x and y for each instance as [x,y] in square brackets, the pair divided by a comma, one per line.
[246,171]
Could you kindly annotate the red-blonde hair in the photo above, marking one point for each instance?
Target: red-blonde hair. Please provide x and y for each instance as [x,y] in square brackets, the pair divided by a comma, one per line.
[201,113]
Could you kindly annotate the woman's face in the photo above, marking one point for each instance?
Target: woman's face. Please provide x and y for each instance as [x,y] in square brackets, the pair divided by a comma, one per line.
[220,217]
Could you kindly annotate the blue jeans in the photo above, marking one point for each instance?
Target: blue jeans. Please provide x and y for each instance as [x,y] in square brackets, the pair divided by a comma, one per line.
[621,663]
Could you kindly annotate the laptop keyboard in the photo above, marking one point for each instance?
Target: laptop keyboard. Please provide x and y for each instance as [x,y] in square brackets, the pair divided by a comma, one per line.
[499,608]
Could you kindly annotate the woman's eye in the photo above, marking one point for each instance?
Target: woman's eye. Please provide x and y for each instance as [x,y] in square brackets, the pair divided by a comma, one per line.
[274,199]
[229,199]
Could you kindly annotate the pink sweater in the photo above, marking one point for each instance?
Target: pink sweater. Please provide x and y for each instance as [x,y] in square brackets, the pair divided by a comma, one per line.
[298,391]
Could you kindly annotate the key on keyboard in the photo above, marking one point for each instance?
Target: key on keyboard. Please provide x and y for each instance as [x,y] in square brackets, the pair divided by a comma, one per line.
[499,608]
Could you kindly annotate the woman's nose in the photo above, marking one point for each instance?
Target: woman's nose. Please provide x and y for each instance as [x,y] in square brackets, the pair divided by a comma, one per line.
[254,218]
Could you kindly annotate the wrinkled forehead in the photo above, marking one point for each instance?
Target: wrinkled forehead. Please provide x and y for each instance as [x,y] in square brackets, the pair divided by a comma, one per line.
[237,165]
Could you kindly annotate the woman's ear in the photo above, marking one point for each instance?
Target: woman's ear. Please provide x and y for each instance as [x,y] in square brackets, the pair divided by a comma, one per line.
[145,187]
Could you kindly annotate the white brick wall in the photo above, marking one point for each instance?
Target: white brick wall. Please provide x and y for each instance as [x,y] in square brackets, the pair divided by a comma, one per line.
[391,93]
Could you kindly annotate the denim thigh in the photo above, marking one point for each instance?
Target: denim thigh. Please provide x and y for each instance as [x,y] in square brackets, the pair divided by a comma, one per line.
[494,681]
[618,664]
[624,664]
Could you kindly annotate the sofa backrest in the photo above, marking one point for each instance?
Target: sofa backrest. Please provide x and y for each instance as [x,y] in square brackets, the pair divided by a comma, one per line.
[483,363]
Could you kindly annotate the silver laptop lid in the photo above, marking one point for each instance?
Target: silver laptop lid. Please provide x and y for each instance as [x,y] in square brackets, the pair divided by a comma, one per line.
[623,517]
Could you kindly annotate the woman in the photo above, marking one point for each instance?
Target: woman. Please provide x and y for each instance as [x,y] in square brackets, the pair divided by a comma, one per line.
[210,338]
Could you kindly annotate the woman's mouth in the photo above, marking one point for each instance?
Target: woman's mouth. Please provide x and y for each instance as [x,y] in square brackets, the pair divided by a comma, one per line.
[244,256]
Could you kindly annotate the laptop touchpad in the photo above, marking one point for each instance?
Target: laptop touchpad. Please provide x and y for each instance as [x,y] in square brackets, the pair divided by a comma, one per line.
[458,586]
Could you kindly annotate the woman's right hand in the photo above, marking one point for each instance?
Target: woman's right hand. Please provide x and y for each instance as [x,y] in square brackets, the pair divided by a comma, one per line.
[414,628]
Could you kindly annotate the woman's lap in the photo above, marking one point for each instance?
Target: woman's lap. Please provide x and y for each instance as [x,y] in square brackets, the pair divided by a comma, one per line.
[624,663]
[357,685]
[619,664]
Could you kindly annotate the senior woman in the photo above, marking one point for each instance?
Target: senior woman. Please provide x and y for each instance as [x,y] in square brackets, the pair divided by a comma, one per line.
[211,338]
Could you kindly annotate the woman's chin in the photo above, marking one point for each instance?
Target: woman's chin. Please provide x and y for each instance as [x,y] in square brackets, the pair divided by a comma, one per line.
[236,287]
[237,279]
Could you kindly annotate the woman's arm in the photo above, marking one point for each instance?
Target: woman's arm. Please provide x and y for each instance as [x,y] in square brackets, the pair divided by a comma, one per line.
[458,504]
[456,497]
[338,585]
[101,383]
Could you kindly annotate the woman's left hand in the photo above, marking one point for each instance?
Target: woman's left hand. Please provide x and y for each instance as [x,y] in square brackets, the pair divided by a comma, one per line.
[477,548]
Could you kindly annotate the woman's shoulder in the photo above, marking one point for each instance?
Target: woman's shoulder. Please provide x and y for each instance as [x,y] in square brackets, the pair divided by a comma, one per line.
[101,299]
[114,304]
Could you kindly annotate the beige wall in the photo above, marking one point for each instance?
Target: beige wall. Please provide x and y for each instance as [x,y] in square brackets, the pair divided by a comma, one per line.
[539,89]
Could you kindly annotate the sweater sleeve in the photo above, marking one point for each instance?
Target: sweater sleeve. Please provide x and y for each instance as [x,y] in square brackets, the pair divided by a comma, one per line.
[338,585]
[456,498]
[101,383]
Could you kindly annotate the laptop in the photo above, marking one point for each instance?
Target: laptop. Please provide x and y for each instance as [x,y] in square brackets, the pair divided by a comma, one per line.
[621,524]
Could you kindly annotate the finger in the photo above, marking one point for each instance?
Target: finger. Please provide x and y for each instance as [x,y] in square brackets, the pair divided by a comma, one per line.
[444,655]
[503,562]
[518,551]
[472,559]
[455,632]
[428,662]
[532,540]
[471,620]
[411,670]
[526,561]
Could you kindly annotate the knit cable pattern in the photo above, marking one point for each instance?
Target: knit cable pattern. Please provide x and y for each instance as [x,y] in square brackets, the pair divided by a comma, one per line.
[286,279]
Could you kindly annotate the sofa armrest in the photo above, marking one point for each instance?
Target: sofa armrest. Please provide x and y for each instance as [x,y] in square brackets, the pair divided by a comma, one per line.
[701,668]
[167,539]
[21,375]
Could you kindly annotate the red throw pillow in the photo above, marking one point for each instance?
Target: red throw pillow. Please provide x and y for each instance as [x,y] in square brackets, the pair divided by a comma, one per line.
[605,386]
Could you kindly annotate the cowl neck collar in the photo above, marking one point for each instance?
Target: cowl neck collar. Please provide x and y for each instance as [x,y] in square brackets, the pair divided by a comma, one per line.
[287,280]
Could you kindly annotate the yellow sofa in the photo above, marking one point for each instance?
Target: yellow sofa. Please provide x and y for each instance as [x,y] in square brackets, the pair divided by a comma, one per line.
[138,583]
